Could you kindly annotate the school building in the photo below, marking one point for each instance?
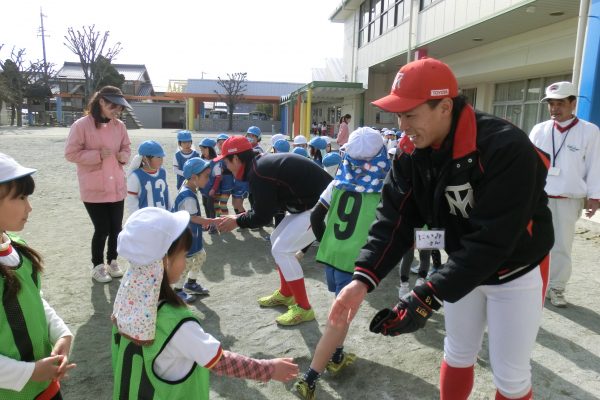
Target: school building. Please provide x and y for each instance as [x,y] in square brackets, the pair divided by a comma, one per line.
[202,96]
[503,52]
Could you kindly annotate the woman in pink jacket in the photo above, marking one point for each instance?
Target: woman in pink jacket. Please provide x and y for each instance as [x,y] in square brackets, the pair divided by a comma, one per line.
[100,147]
[344,132]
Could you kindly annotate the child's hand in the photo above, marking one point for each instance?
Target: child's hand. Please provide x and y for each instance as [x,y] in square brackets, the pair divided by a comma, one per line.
[226,223]
[285,369]
[211,193]
[46,369]
[62,348]
[207,222]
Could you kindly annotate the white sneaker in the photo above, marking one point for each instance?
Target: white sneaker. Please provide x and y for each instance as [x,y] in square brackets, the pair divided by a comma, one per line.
[403,290]
[299,255]
[557,298]
[420,281]
[114,270]
[100,274]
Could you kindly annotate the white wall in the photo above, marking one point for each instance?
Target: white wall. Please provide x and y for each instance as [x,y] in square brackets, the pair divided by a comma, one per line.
[541,52]
[544,51]
[444,17]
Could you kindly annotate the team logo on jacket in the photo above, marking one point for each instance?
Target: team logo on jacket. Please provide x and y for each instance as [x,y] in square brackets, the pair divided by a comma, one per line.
[460,198]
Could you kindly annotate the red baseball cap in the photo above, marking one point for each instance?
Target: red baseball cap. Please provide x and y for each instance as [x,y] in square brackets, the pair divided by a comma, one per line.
[417,82]
[234,145]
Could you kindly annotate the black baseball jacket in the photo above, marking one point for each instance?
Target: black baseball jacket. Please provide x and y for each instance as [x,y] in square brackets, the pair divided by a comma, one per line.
[484,186]
[281,181]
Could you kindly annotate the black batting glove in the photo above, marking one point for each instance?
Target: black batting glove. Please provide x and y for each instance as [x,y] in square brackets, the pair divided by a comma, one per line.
[409,315]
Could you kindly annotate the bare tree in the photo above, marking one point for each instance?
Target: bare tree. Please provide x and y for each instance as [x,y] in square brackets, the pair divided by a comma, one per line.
[234,87]
[89,44]
[19,81]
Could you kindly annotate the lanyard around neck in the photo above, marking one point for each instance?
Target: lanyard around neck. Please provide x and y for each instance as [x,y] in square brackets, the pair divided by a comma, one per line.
[555,152]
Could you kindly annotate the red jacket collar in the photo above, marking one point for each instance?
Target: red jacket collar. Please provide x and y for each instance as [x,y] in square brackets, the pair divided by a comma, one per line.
[465,134]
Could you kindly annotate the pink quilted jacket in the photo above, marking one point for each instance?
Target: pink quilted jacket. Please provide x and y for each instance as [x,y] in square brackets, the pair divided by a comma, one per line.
[100,181]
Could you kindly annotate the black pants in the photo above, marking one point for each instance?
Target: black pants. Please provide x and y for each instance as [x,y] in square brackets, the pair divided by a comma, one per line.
[209,206]
[107,219]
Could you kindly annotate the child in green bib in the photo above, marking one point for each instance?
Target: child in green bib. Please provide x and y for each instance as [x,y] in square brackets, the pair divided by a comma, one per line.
[34,341]
[159,349]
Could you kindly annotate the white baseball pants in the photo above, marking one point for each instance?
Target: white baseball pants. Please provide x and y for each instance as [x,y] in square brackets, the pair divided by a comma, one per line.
[292,234]
[512,313]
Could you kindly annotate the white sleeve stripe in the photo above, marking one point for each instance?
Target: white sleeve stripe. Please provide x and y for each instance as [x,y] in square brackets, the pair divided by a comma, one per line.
[366,276]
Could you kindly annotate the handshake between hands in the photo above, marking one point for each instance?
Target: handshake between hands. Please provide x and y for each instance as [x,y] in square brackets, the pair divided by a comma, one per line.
[409,315]
[226,223]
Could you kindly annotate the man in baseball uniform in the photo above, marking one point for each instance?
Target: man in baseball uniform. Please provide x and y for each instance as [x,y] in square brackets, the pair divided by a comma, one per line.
[573,178]
[280,181]
[477,182]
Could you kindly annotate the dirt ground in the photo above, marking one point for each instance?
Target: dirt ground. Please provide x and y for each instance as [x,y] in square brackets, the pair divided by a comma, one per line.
[239,269]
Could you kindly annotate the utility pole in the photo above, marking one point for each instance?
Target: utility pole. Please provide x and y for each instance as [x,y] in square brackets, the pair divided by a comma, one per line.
[43,34]
[45,77]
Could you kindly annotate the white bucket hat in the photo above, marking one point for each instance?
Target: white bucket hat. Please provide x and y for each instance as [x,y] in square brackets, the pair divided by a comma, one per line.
[300,140]
[364,143]
[144,241]
[11,170]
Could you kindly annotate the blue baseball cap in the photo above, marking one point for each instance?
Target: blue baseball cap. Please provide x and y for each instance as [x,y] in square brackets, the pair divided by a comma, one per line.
[282,146]
[332,159]
[194,166]
[184,136]
[300,151]
[208,142]
[222,136]
[254,130]
[318,143]
[151,148]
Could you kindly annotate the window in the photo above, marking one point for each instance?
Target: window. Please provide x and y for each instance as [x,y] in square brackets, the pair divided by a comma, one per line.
[426,3]
[379,16]
[470,94]
[519,101]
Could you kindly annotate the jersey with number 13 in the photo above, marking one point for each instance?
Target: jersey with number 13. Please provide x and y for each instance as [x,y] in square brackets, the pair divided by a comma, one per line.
[154,191]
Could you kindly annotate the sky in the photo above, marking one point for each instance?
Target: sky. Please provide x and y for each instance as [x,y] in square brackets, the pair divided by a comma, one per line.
[271,40]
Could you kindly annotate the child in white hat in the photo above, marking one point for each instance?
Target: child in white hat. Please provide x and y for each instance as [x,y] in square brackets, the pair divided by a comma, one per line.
[153,323]
[35,341]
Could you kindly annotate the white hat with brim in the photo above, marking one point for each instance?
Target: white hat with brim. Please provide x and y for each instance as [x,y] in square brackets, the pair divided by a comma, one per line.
[278,136]
[300,140]
[148,234]
[560,90]
[11,170]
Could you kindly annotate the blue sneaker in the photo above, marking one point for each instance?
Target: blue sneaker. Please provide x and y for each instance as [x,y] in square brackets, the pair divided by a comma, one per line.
[186,297]
[195,288]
